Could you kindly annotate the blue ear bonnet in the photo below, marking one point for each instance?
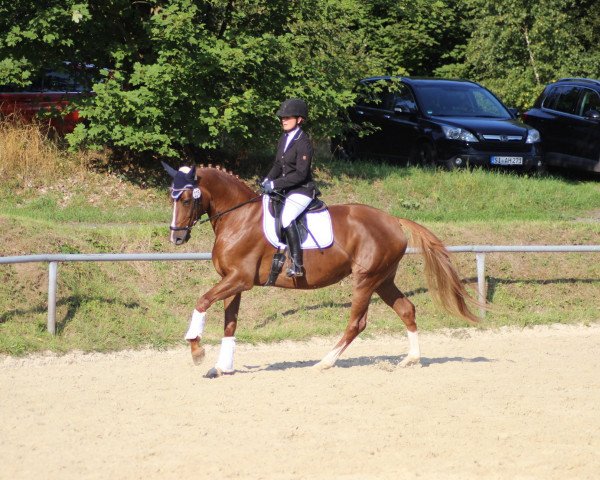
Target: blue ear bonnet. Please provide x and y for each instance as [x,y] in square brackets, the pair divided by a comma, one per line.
[181,182]
[183,179]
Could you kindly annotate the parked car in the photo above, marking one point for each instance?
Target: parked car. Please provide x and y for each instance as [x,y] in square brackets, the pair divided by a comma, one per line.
[47,97]
[567,114]
[452,123]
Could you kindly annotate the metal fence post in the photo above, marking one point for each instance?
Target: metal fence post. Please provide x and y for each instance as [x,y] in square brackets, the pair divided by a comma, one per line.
[52,274]
[481,279]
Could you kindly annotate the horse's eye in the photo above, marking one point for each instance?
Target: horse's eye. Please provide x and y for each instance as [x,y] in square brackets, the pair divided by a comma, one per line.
[186,202]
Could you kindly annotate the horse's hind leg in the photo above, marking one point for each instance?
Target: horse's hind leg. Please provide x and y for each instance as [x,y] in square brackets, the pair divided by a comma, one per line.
[393,297]
[357,323]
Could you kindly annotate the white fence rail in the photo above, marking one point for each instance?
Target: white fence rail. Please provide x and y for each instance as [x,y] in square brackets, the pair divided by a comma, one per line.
[54,259]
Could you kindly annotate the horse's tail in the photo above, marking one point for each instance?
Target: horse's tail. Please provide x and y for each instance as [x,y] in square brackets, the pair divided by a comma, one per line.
[442,277]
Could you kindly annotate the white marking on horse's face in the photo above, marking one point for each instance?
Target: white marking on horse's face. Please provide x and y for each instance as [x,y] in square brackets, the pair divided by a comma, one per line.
[174,222]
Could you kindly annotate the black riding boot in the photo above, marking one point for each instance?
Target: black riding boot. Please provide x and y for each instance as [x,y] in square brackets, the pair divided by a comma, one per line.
[292,237]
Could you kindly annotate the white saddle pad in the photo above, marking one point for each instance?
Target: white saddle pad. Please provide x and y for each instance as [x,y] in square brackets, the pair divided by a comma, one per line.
[319,224]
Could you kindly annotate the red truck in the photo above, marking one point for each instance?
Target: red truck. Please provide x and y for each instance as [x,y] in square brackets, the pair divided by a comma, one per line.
[45,100]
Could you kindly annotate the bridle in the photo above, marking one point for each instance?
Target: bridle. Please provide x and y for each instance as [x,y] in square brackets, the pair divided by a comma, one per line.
[196,195]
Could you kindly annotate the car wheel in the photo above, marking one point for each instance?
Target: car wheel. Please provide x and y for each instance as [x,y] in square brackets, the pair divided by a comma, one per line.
[541,169]
[454,163]
[426,155]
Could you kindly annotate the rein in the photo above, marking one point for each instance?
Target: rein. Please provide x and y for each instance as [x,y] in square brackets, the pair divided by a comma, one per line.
[220,214]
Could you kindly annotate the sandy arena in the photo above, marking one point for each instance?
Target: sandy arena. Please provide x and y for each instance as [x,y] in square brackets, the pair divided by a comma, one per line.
[509,404]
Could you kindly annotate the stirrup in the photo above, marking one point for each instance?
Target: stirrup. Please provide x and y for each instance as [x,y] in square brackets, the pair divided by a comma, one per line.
[295,271]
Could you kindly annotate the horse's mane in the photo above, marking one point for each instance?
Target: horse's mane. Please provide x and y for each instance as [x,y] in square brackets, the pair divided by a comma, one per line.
[229,174]
[219,168]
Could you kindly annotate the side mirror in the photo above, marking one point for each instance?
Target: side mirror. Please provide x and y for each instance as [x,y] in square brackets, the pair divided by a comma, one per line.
[514,112]
[404,106]
[592,115]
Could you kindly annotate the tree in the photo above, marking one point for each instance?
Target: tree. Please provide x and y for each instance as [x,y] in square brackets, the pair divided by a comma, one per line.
[185,72]
[412,38]
[517,46]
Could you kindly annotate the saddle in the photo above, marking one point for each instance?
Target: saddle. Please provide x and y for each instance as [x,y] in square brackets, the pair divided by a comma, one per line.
[314,225]
[275,207]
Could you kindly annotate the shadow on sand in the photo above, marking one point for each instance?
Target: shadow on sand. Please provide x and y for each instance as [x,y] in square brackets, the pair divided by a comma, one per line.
[363,361]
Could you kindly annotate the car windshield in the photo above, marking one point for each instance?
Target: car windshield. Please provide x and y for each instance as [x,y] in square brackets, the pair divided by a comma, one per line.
[459,101]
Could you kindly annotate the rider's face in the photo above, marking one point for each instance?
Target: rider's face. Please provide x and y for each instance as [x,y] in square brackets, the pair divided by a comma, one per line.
[289,123]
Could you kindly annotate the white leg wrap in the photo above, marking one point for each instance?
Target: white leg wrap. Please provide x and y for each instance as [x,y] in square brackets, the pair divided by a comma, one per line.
[225,361]
[413,341]
[414,352]
[196,327]
[329,360]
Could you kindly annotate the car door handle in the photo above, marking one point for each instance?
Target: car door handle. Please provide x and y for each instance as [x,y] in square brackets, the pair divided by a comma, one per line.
[386,116]
[360,112]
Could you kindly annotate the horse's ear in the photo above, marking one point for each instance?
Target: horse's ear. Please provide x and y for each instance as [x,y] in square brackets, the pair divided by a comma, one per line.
[192,173]
[170,170]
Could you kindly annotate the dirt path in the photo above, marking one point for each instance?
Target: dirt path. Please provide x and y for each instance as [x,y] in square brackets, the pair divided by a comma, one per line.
[518,404]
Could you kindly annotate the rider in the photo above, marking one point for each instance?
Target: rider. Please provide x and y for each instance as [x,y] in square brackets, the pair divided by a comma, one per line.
[291,175]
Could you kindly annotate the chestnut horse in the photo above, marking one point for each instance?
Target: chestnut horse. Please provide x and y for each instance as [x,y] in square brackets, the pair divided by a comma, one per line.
[368,243]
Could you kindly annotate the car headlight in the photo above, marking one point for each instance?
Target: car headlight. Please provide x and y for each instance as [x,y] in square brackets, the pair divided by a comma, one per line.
[456,133]
[533,136]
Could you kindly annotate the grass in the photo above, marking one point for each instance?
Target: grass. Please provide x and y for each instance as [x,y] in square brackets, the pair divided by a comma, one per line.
[89,203]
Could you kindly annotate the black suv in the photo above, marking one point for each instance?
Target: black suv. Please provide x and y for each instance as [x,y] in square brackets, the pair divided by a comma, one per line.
[567,114]
[430,121]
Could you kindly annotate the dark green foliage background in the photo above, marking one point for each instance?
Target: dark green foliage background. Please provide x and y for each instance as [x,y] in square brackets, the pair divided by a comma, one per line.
[194,76]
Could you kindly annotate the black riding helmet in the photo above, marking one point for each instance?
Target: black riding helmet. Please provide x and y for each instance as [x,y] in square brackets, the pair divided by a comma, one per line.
[293,107]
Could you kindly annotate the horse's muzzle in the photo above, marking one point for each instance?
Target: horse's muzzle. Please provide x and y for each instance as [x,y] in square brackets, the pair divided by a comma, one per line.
[179,237]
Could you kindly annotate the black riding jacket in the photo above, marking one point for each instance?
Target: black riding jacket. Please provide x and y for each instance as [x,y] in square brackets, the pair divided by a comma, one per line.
[291,171]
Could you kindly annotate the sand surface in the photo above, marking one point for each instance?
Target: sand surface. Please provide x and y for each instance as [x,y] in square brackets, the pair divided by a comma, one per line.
[507,404]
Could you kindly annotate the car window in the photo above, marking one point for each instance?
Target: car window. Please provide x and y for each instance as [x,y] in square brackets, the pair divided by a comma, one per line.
[369,95]
[379,94]
[61,82]
[50,81]
[567,99]
[35,86]
[486,104]
[403,94]
[590,100]
[461,101]
[552,94]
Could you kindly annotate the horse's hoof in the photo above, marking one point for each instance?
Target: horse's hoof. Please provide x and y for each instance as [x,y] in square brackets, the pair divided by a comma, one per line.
[322,366]
[198,355]
[213,373]
[410,362]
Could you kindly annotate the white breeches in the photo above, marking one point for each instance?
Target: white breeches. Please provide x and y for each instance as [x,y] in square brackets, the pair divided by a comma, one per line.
[295,204]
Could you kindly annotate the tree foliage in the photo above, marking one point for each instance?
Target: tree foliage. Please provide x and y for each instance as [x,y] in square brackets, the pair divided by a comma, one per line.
[209,74]
[517,46]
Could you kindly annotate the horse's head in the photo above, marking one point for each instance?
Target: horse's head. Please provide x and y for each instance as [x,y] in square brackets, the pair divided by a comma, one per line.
[187,204]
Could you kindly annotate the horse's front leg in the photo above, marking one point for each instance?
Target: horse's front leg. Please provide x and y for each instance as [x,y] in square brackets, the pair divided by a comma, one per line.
[225,361]
[229,286]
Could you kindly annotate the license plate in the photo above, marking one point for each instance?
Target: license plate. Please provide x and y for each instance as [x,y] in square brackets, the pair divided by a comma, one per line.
[506,160]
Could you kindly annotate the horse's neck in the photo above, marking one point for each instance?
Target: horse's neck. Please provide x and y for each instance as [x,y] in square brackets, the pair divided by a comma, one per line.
[225,192]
